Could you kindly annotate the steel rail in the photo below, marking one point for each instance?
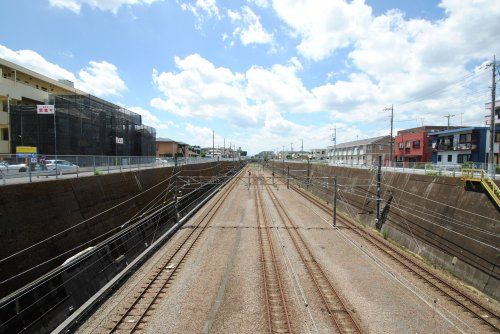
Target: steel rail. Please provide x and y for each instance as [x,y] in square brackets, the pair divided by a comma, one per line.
[486,315]
[277,311]
[339,313]
[199,229]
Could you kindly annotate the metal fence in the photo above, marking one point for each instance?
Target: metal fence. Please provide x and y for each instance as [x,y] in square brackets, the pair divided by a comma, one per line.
[34,168]
[424,168]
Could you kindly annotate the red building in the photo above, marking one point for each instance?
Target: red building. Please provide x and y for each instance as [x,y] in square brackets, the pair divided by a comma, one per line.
[414,145]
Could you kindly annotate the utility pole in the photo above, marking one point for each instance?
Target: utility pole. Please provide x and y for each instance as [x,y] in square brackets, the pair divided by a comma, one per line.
[448,117]
[491,154]
[273,172]
[283,157]
[302,149]
[224,149]
[334,141]
[391,153]
[291,148]
[213,144]
[308,173]
[288,178]
[379,176]
[176,199]
[334,201]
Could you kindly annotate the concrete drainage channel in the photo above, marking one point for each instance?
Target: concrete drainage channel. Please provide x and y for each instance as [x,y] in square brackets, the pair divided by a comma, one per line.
[60,299]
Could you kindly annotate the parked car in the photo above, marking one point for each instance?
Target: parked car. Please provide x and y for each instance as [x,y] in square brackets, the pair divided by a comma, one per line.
[161,162]
[5,167]
[62,166]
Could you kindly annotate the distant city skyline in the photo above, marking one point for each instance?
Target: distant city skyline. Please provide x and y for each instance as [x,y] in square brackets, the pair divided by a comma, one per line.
[263,74]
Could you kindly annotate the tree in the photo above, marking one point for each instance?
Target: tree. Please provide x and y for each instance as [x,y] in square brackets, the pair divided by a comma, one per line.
[266,157]
[203,154]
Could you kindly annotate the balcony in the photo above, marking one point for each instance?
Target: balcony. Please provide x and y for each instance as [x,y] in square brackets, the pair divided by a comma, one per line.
[466,146]
[443,147]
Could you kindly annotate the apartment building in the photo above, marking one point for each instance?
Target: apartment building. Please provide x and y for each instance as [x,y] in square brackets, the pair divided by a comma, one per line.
[457,146]
[318,154]
[84,124]
[414,145]
[362,152]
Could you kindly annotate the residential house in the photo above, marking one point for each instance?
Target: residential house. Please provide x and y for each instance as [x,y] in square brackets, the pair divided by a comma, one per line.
[457,146]
[414,145]
[166,147]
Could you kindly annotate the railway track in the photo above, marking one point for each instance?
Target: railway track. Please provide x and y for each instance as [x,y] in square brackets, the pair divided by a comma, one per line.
[486,317]
[277,311]
[133,316]
[339,313]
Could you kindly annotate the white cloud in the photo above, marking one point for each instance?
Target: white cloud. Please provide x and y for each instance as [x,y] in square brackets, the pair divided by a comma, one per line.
[396,59]
[324,26]
[248,27]
[202,136]
[202,10]
[98,78]
[36,62]
[148,118]
[259,3]
[104,5]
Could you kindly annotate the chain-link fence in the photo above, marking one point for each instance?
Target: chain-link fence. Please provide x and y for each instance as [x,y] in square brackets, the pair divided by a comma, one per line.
[424,168]
[15,168]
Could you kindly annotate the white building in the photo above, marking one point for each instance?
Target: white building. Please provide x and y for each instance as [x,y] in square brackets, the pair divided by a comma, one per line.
[318,154]
[19,85]
[361,152]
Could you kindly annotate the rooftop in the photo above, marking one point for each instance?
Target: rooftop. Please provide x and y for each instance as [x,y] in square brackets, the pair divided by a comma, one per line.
[452,131]
[360,142]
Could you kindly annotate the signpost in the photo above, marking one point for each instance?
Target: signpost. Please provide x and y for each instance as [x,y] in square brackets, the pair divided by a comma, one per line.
[25,150]
[49,109]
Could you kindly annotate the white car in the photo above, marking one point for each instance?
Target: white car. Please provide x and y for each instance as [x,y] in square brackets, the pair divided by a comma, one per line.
[62,166]
[161,162]
[6,167]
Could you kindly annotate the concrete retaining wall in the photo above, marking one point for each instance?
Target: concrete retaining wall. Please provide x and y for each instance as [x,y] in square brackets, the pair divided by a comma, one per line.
[30,213]
[452,225]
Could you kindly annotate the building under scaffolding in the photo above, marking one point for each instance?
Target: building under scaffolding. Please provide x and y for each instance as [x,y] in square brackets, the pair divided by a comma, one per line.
[86,125]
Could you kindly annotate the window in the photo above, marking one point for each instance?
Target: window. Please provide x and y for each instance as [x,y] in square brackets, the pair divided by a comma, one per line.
[450,157]
[5,134]
[400,144]
[497,137]
[465,138]
[439,158]
[416,144]
[464,158]
[407,144]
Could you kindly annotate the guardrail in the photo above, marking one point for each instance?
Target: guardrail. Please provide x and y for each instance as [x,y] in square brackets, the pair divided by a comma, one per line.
[16,169]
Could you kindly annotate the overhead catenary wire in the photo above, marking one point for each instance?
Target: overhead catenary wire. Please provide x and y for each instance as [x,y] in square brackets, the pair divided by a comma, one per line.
[432,214]
[79,260]
[391,273]
[431,222]
[83,222]
[93,217]
[429,212]
[78,246]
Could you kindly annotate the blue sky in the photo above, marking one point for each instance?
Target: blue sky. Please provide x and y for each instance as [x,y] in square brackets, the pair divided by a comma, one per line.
[265,73]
